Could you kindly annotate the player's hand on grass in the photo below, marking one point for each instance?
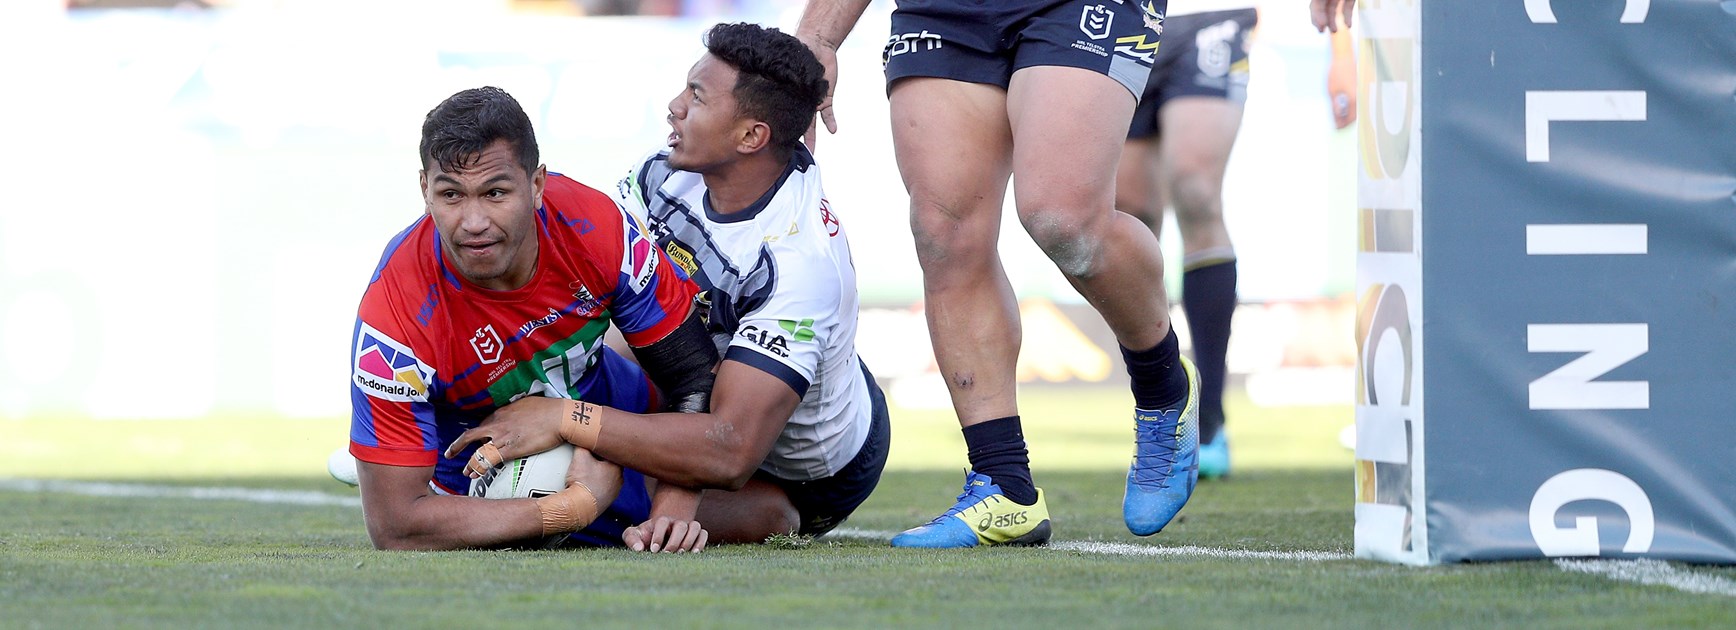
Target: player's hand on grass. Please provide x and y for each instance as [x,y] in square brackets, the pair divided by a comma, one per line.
[528,426]
[666,535]
[828,56]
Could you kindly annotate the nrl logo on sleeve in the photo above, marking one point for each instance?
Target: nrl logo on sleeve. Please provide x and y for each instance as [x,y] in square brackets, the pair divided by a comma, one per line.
[386,369]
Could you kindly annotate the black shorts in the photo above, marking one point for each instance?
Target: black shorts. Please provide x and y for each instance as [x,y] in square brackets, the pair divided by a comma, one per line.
[1204,54]
[986,42]
[824,503]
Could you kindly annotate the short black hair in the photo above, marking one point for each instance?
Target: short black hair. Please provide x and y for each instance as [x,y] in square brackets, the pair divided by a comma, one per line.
[458,129]
[780,81]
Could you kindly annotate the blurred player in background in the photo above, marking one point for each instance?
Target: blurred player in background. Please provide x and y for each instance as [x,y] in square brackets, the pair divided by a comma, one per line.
[797,433]
[1040,91]
[502,290]
[1176,151]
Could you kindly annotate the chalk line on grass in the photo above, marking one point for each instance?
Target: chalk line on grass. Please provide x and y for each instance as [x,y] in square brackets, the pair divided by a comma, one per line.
[1652,572]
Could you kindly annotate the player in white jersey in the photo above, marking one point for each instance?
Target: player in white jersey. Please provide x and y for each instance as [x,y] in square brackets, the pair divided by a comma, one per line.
[782,295]
[797,431]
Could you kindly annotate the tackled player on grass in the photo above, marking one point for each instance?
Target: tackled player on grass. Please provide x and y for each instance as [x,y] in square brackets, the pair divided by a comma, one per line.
[797,434]
[502,290]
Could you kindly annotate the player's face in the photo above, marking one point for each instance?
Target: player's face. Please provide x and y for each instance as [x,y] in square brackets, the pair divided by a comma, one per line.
[707,132]
[486,216]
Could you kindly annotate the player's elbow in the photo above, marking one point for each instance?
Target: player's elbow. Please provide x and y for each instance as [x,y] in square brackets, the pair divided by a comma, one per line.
[387,538]
[395,543]
[391,536]
[737,474]
[725,471]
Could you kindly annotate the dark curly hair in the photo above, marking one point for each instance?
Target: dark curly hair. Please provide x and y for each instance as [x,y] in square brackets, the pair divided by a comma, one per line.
[780,80]
[458,129]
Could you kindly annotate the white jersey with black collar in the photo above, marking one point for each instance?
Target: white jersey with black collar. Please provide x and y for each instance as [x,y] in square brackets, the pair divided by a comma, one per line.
[782,292]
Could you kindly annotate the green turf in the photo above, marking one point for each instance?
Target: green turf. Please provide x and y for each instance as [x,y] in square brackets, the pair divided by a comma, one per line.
[84,562]
[1069,428]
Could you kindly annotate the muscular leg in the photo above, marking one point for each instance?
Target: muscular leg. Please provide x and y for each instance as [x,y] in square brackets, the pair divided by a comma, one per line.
[1139,187]
[1064,160]
[1198,135]
[1200,131]
[953,149]
[759,509]
[1064,165]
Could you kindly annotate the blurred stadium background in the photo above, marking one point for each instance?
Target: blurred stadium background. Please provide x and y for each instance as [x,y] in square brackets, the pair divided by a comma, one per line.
[201,189]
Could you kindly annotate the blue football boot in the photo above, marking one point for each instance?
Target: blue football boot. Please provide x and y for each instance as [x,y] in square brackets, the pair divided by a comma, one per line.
[982,516]
[1166,446]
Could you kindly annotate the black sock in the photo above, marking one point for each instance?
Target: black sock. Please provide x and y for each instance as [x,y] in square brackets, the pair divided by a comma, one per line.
[1208,296]
[997,449]
[1159,382]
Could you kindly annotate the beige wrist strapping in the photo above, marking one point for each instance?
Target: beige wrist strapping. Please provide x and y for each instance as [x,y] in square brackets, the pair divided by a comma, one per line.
[567,510]
[583,423]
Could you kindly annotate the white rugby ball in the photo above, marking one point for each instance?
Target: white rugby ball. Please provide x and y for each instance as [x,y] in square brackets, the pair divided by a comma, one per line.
[342,466]
[531,476]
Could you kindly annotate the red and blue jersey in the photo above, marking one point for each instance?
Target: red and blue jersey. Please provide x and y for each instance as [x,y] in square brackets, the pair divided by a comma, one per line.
[434,354]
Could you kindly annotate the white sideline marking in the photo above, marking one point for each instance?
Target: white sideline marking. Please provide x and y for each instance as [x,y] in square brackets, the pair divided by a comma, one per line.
[1653,572]
[251,495]
[1126,549]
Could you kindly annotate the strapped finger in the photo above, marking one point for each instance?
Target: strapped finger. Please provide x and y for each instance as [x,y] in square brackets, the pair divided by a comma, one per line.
[485,459]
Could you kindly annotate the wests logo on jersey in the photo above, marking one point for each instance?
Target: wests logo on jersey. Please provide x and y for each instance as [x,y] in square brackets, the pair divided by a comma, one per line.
[386,369]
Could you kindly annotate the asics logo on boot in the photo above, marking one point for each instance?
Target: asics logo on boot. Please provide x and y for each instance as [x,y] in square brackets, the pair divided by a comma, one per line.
[1003,520]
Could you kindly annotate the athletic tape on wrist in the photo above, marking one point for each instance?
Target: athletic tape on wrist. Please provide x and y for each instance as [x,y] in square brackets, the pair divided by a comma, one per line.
[567,510]
[584,422]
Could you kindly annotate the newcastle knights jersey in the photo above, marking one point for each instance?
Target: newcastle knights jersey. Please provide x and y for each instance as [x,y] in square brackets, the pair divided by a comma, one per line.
[434,354]
[782,294]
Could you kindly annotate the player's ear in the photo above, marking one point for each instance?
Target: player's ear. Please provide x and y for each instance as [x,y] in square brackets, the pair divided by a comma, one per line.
[422,182]
[538,178]
[755,135]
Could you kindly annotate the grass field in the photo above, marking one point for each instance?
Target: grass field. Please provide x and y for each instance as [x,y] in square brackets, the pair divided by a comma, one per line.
[1268,547]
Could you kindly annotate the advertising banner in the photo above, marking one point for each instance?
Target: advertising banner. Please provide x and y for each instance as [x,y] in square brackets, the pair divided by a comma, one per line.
[1576,238]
